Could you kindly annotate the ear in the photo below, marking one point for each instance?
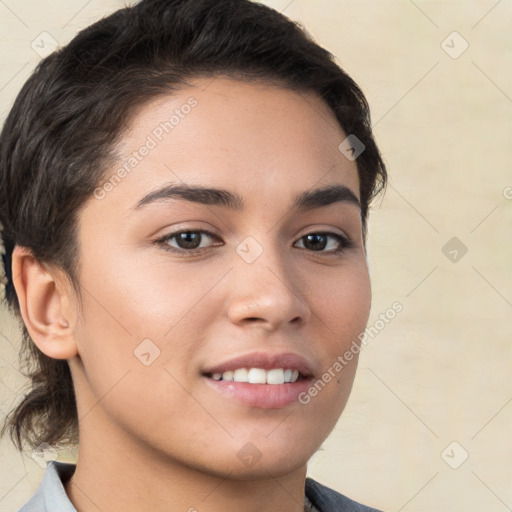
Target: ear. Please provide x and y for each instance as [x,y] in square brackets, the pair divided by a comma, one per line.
[45,303]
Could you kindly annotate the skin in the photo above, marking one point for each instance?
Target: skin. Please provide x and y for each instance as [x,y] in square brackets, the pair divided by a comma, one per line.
[156,437]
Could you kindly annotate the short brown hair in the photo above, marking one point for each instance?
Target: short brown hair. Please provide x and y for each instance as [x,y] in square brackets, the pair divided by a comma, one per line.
[81,97]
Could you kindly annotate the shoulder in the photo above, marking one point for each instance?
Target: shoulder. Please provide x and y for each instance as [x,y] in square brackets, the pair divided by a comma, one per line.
[327,500]
[51,495]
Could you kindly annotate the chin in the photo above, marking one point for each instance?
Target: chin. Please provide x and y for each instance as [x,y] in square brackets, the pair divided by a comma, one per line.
[256,460]
[265,468]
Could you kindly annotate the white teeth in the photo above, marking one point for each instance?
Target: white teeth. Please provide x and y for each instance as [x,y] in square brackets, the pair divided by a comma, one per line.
[259,375]
[275,376]
[227,375]
[241,375]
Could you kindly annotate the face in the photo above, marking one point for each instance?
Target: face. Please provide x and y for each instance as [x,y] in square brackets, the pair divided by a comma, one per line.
[183,290]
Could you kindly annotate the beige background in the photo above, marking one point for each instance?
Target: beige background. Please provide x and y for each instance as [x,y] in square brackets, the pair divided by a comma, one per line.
[441,370]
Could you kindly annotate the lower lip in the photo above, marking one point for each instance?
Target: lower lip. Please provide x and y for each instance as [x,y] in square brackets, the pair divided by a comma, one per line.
[263,396]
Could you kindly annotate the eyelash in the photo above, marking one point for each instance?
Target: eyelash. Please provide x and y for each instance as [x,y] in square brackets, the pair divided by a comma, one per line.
[344,242]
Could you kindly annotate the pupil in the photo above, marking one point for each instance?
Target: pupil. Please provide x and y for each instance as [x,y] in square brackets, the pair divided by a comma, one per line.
[317,237]
[189,239]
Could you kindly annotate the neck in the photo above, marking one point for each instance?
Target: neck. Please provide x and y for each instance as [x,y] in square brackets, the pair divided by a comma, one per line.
[114,472]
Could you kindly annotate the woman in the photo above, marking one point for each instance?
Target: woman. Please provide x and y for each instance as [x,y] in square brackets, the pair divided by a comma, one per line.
[185,192]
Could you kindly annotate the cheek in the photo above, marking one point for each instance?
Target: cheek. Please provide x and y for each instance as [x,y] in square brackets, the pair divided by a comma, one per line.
[141,317]
[341,309]
[343,304]
[153,295]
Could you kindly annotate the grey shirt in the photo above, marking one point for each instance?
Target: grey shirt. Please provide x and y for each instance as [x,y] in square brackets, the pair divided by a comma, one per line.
[51,495]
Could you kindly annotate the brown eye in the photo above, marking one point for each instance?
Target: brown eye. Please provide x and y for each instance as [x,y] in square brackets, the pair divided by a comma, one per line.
[186,240]
[318,242]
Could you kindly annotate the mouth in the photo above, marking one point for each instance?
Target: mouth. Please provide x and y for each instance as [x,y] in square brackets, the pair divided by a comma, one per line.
[261,380]
[273,377]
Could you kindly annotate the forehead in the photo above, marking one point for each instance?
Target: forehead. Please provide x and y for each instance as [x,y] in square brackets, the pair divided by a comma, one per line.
[252,136]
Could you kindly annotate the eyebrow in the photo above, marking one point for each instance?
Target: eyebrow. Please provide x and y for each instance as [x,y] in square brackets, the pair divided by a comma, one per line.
[306,200]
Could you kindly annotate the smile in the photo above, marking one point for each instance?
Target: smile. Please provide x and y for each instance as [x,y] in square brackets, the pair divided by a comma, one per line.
[260,379]
[258,375]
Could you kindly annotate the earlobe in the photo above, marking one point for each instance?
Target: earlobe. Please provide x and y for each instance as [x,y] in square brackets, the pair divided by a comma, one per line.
[44,304]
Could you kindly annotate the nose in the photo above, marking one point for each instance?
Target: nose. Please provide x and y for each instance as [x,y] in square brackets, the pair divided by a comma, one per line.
[267,292]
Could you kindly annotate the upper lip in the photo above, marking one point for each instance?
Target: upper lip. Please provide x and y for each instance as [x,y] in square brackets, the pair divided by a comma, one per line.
[265,361]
